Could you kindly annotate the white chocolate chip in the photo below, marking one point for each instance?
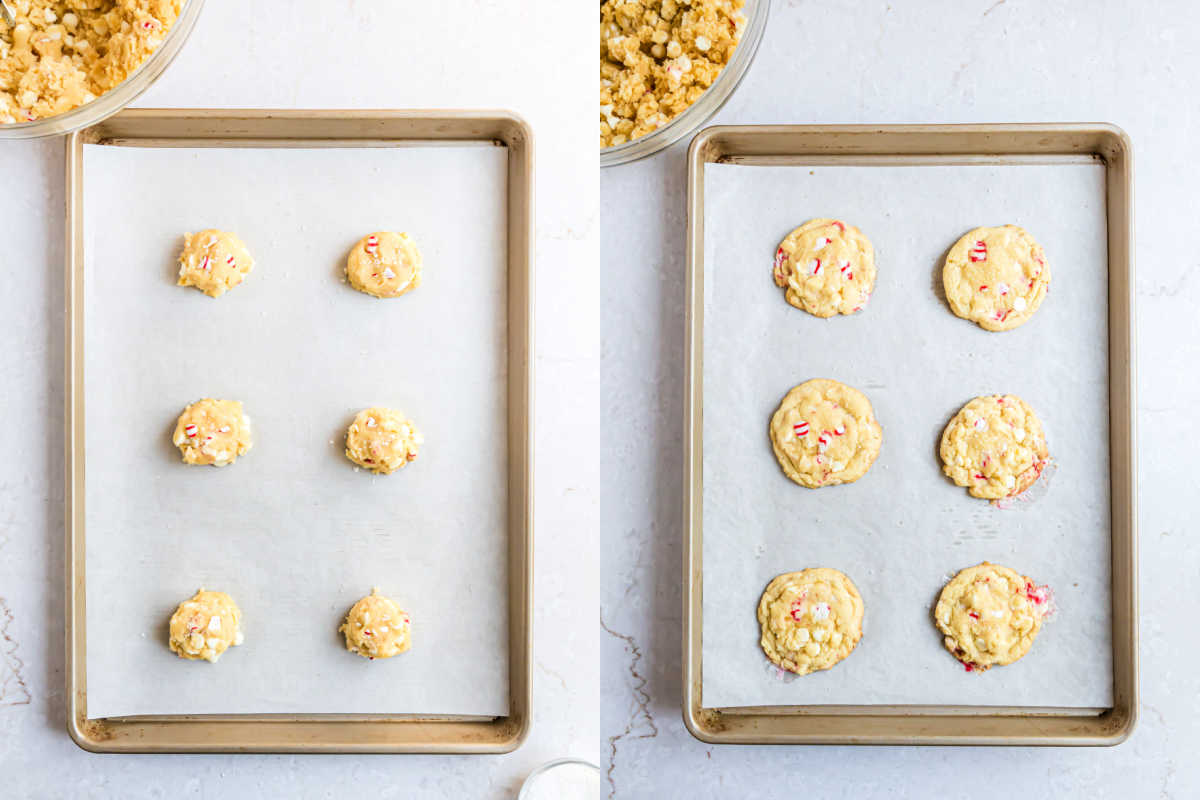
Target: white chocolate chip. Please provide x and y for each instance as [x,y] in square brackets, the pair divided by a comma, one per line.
[214,624]
[1019,304]
[1009,481]
[820,611]
[702,43]
[1019,434]
[51,17]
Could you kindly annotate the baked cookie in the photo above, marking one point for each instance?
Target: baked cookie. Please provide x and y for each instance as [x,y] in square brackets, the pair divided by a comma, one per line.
[205,626]
[996,277]
[825,433]
[384,264]
[826,267]
[375,627]
[213,261]
[810,619]
[212,432]
[990,615]
[994,446]
[382,440]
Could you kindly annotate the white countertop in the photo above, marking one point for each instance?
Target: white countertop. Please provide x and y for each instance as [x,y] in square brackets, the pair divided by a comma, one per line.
[875,62]
[311,54]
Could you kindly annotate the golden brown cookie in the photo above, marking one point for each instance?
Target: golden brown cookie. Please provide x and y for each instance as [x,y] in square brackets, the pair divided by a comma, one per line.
[384,264]
[810,619]
[826,267]
[376,627]
[212,432]
[990,615]
[382,440]
[994,446]
[213,261]
[205,626]
[825,433]
[996,277]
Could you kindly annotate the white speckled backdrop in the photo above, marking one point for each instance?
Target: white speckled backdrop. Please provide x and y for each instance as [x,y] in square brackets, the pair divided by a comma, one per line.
[901,529]
[293,530]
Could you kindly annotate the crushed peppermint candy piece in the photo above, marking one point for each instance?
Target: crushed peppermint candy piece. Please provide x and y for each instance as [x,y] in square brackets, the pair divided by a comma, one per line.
[978,252]
[841,226]
[800,428]
[1002,288]
[822,442]
[230,261]
[780,258]
[821,242]
[980,424]
[820,611]
[847,273]
[388,274]
[224,429]
[815,266]
[190,430]
[205,264]
[371,422]
[840,430]
[372,243]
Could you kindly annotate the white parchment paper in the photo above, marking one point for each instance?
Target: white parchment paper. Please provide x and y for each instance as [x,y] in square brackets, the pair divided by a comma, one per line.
[292,530]
[904,528]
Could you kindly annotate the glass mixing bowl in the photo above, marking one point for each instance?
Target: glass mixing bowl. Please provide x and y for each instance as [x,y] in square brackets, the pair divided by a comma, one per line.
[125,92]
[709,103]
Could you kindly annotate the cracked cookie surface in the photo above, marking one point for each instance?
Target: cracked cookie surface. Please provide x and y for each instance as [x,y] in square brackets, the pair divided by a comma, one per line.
[989,615]
[825,433]
[810,619]
[994,447]
[826,267]
[996,277]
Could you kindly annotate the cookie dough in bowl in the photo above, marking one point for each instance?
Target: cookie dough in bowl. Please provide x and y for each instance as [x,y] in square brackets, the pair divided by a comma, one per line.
[826,267]
[994,447]
[376,627]
[989,615]
[382,440]
[212,432]
[810,619]
[205,626]
[213,261]
[996,277]
[384,264]
[825,433]
[61,55]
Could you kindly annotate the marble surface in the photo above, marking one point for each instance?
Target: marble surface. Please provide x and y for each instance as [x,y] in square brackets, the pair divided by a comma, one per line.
[879,62]
[321,55]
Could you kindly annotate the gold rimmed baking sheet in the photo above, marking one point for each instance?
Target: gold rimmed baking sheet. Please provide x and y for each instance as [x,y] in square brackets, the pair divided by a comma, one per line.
[505,370]
[820,150]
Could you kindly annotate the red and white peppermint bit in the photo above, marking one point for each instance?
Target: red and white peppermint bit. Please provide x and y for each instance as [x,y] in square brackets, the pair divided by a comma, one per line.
[979,424]
[797,610]
[815,266]
[822,442]
[979,476]
[780,258]
[800,429]
[1002,315]
[821,242]
[230,261]
[983,288]
[973,614]
[1002,288]
[372,243]
[839,430]
[841,226]
[979,251]
[205,263]
[387,273]
[189,430]
[224,429]
[847,273]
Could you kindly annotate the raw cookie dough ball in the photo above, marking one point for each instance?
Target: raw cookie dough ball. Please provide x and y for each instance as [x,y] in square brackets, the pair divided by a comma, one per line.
[826,267]
[382,440]
[825,433]
[810,619]
[384,264]
[205,626]
[376,627]
[994,446]
[212,432]
[989,615]
[996,277]
[213,261]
